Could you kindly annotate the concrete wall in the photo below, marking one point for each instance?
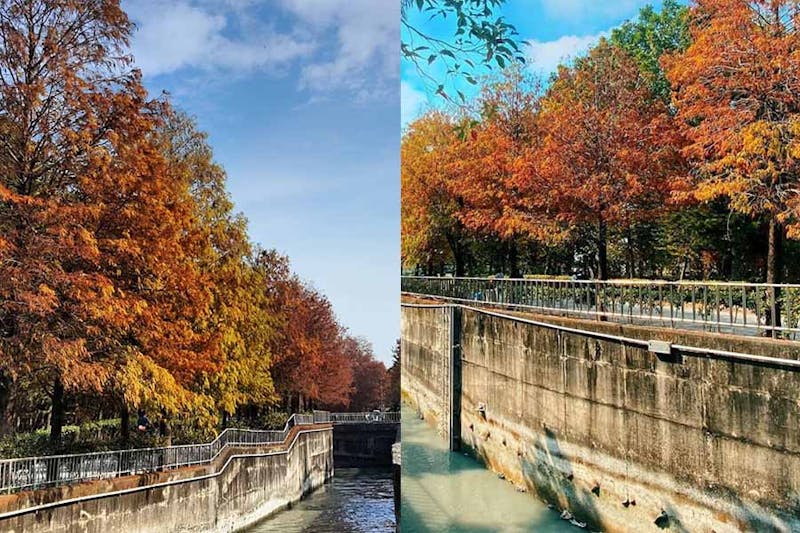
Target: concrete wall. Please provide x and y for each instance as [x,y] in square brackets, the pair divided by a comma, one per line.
[424,359]
[248,485]
[590,424]
[363,445]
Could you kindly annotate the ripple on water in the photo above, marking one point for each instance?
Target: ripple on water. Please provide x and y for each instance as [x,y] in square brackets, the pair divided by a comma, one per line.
[355,501]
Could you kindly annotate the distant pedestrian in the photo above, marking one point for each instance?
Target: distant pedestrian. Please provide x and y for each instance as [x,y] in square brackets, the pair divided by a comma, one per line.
[143,424]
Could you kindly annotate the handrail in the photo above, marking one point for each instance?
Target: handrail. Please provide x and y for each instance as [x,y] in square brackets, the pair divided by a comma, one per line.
[726,307]
[36,472]
[620,281]
[691,351]
[366,417]
[681,349]
[121,492]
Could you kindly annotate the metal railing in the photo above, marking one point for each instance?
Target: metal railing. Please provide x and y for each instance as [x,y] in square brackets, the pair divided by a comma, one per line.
[726,307]
[391,417]
[38,472]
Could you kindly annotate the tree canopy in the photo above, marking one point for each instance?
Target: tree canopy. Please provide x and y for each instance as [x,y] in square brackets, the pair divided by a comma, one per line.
[666,151]
[127,280]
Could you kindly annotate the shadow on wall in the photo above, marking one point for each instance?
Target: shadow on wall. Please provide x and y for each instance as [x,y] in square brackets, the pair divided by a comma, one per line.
[551,475]
[548,474]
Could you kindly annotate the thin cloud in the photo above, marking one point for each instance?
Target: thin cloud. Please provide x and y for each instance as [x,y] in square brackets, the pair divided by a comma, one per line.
[412,103]
[362,57]
[544,57]
[181,35]
[347,46]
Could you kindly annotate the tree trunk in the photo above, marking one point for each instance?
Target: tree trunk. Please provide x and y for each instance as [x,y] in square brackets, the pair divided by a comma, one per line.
[460,270]
[459,257]
[125,423]
[5,400]
[774,271]
[513,260]
[57,412]
[165,428]
[602,251]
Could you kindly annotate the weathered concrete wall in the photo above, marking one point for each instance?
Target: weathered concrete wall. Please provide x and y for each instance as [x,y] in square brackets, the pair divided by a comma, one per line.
[363,445]
[592,425]
[249,484]
[424,354]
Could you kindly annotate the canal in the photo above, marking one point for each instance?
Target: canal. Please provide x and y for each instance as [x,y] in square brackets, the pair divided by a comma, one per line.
[354,501]
[450,492]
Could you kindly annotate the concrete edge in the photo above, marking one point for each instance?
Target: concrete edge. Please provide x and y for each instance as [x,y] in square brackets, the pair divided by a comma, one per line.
[218,472]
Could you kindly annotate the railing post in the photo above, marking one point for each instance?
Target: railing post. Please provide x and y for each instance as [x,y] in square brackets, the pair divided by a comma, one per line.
[455,378]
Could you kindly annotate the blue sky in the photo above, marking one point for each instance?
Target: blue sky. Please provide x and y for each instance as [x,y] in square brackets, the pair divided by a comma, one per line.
[301,102]
[554,29]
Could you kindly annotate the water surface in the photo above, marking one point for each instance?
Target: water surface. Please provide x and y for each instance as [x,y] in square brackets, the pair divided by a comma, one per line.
[354,501]
[449,492]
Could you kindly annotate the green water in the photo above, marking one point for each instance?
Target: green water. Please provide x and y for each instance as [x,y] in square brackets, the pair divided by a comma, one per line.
[354,501]
[449,492]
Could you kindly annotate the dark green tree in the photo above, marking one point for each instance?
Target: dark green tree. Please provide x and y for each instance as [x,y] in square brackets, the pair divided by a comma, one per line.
[652,35]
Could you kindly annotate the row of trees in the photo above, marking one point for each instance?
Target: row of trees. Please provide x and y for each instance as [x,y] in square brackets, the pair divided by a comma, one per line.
[127,281]
[668,150]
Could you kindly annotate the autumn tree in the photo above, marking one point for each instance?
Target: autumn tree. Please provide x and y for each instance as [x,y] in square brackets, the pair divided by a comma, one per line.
[496,201]
[392,391]
[242,322]
[98,285]
[431,232]
[608,149]
[737,93]
[369,375]
[310,364]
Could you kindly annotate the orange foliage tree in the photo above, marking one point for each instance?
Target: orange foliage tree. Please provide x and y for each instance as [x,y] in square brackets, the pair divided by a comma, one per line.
[497,201]
[98,289]
[608,149]
[737,95]
[310,365]
[369,376]
[242,322]
[431,233]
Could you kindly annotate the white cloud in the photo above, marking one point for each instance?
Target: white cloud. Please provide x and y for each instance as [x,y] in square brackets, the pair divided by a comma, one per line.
[170,37]
[411,103]
[544,57]
[336,45]
[363,57]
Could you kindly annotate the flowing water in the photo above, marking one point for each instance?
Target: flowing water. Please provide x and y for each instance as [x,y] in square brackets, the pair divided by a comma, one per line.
[449,492]
[354,501]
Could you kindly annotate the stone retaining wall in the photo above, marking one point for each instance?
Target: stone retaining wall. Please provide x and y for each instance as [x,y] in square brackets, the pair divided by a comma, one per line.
[593,425]
[424,353]
[241,487]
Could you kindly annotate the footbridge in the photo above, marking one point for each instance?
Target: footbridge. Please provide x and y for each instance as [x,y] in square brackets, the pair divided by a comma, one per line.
[364,439]
[236,479]
[634,405]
